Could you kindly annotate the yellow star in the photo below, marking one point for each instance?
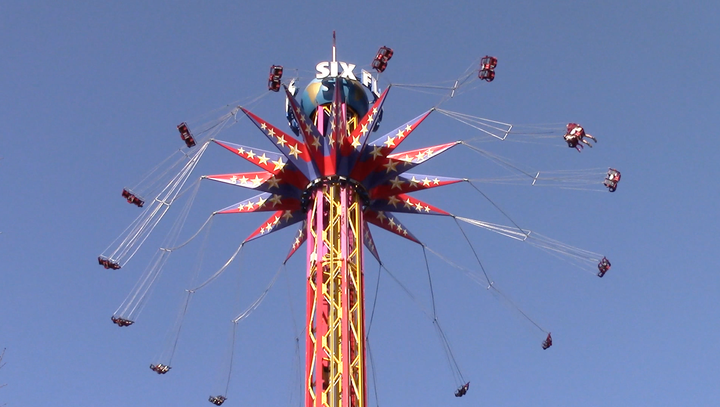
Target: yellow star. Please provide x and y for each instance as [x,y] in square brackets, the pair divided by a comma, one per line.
[276,199]
[263,159]
[287,215]
[294,151]
[400,229]
[420,156]
[261,202]
[276,221]
[273,181]
[397,183]
[381,216]
[363,129]
[390,142]
[393,200]
[426,182]
[376,152]
[263,126]
[271,132]
[436,181]
[233,179]
[250,205]
[281,141]
[400,134]
[391,222]
[256,181]
[418,206]
[243,180]
[408,203]
[316,142]
[413,182]
[250,154]
[408,128]
[427,209]
[356,142]
[241,150]
[279,164]
[408,160]
[390,166]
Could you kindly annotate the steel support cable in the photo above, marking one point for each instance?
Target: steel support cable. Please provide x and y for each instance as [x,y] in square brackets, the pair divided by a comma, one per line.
[147,221]
[153,272]
[131,303]
[156,178]
[409,294]
[372,370]
[474,252]
[242,316]
[232,359]
[506,231]
[377,290]
[179,324]
[563,179]
[297,367]
[259,300]
[475,122]
[492,285]
[496,207]
[496,159]
[220,271]
[180,246]
[449,355]
[455,368]
[551,246]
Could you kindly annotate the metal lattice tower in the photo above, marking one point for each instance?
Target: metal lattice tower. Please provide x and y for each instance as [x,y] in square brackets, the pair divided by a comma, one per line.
[335,342]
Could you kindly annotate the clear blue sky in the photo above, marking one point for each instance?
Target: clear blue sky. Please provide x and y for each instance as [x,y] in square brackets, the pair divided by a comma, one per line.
[91,95]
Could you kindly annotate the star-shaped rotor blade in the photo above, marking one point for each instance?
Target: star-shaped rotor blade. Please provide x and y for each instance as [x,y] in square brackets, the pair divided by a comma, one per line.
[407,204]
[408,182]
[264,202]
[390,223]
[279,220]
[295,151]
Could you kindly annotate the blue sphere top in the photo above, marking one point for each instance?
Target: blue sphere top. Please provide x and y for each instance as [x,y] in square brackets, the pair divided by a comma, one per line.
[320,92]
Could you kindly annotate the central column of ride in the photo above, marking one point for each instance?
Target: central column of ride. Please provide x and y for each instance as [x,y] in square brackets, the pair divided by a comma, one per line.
[335,341]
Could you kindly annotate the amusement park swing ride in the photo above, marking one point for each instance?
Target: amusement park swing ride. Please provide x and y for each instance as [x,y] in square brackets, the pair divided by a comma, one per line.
[332,179]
